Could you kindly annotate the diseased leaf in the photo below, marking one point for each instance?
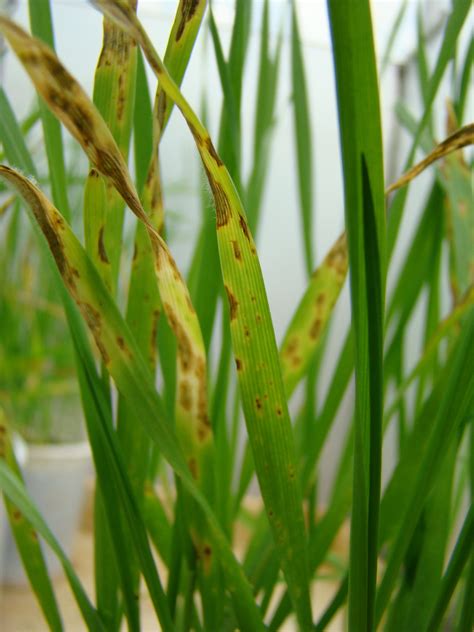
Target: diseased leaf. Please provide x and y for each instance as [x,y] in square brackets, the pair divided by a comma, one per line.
[312,314]
[125,364]
[461,138]
[259,372]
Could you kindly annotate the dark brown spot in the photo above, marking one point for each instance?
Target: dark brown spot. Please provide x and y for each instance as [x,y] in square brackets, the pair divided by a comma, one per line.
[315,329]
[246,332]
[244,226]
[337,257]
[279,411]
[188,9]
[58,72]
[238,364]
[221,202]
[203,429]
[185,395]
[154,327]
[197,136]
[292,346]
[93,173]
[135,251]
[258,318]
[121,342]
[212,151]
[101,247]
[185,353]
[161,109]
[237,251]
[258,403]
[320,299]
[193,467]
[16,515]
[233,303]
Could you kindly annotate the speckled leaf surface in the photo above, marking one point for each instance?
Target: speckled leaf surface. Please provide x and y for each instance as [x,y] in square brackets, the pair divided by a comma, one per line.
[254,344]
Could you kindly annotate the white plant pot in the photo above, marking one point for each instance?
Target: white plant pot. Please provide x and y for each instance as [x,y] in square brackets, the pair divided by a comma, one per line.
[21,451]
[55,478]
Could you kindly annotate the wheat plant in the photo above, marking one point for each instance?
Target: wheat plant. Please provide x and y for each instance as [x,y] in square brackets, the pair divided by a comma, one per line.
[410,565]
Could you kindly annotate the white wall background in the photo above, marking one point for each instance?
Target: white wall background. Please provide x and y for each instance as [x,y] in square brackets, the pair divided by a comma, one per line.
[78,41]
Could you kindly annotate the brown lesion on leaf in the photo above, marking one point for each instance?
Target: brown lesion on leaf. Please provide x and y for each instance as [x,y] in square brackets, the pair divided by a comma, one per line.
[258,404]
[94,322]
[320,299]
[337,256]
[315,329]
[101,247]
[193,467]
[121,343]
[212,151]
[196,135]
[221,201]
[233,303]
[238,364]
[57,70]
[244,227]
[154,327]
[236,249]
[279,411]
[246,332]
[188,9]
[185,395]
[203,429]
[185,352]
[291,472]
[16,515]
[161,108]
[291,348]
[121,96]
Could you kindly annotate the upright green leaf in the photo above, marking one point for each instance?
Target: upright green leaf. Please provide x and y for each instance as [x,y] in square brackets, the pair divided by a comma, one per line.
[361,143]
[42,27]
[303,138]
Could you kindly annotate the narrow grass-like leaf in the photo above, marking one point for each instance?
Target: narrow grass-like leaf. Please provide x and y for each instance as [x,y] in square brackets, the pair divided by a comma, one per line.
[393,36]
[312,314]
[264,120]
[262,390]
[303,137]
[12,138]
[461,138]
[361,143]
[125,364]
[184,32]
[42,27]
[457,396]
[454,25]
[116,492]
[17,494]
[459,558]
[456,177]
[26,539]
[464,82]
